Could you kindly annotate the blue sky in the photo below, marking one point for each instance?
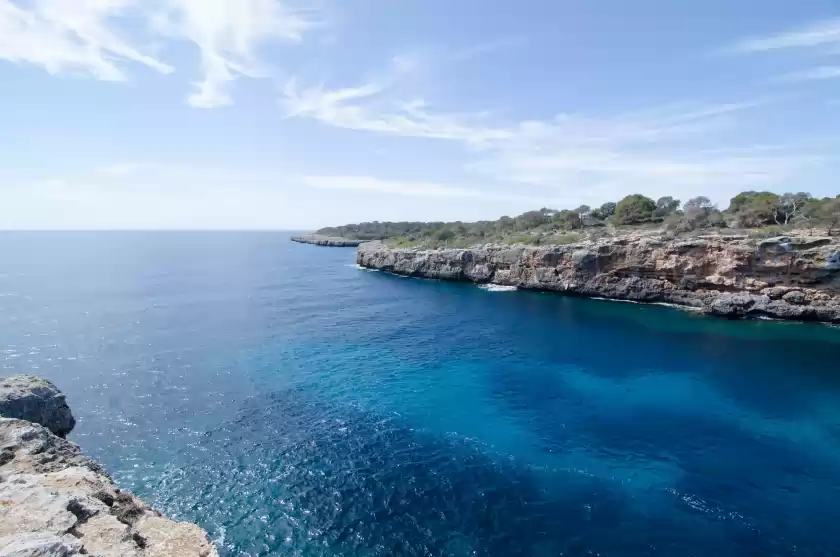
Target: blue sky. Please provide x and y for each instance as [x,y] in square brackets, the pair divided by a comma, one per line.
[282,114]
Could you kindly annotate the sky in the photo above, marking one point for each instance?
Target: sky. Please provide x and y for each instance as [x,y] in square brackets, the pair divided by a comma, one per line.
[278,114]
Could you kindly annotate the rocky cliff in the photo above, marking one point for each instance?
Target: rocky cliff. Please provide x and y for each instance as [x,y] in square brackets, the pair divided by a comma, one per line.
[787,277]
[55,502]
[36,400]
[329,241]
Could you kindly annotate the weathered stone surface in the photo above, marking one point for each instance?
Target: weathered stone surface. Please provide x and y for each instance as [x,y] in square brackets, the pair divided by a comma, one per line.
[787,277]
[795,297]
[40,545]
[34,399]
[328,241]
[56,502]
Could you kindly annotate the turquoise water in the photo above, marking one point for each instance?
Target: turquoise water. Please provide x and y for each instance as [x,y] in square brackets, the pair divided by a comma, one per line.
[293,404]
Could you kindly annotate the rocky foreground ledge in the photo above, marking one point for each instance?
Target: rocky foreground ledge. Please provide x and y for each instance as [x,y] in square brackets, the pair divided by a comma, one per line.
[56,502]
[795,278]
[329,241]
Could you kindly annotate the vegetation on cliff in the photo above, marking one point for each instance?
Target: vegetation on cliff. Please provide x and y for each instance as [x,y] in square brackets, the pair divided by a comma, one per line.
[756,213]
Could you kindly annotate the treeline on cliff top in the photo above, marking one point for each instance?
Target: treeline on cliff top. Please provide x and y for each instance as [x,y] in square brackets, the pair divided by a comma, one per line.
[749,210]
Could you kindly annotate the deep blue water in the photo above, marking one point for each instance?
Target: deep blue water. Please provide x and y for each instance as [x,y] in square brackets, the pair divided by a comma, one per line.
[295,405]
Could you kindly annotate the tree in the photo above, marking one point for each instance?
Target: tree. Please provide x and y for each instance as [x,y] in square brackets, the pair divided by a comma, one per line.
[530,219]
[666,206]
[830,214]
[745,198]
[789,205]
[570,219]
[748,209]
[810,213]
[608,209]
[753,209]
[696,212]
[699,203]
[506,223]
[445,234]
[635,209]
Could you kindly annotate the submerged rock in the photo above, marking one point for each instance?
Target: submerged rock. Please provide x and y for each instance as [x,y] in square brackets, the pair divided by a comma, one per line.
[56,502]
[787,277]
[34,399]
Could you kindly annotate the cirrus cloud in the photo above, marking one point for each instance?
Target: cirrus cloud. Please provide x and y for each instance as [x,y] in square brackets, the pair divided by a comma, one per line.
[101,38]
[655,151]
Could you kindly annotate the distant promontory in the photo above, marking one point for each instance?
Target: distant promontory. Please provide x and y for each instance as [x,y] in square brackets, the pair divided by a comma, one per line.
[765,255]
[328,241]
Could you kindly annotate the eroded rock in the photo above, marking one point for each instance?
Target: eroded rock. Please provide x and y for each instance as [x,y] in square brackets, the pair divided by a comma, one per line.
[40,545]
[786,277]
[796,297]
[34,399]
[56,502]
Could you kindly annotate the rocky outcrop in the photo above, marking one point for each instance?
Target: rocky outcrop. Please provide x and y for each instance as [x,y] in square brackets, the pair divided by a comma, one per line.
[328,241]
[56,502]
[787,277]
[36,400]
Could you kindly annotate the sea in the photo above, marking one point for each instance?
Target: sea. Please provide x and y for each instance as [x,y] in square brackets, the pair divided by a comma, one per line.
[293,404]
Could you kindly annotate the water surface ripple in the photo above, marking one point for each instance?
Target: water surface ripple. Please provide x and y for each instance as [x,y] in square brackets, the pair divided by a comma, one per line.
[293,404]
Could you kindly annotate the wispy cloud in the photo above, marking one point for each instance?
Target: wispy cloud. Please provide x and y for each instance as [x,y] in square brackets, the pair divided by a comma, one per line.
[369,107]
[97,38]
[365,108]
[409,188]
[71,36]
[659,150]
[227,34]
[819,34]
[813,74]
[819,39]
[603,174]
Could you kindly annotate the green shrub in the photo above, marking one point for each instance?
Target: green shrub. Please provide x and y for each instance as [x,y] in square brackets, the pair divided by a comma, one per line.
[635,209]
[444,235]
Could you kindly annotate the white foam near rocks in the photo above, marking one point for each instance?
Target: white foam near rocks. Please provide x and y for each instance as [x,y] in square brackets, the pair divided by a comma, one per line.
[497,288]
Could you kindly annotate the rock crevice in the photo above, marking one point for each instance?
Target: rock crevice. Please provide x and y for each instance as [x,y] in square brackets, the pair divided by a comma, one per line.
[795,278]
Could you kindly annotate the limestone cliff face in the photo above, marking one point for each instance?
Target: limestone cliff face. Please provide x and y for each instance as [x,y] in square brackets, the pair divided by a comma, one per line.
[36,400]
[787,277]
[55,502]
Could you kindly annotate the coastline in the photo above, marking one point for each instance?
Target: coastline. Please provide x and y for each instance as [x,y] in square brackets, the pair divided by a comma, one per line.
[55,501]
[327,241]
[786,278]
